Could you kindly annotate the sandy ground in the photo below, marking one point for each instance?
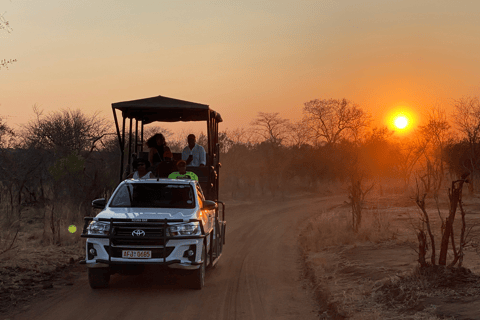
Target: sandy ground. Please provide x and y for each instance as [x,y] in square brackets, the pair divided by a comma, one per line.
[371,280]
[264,274]
[258,277]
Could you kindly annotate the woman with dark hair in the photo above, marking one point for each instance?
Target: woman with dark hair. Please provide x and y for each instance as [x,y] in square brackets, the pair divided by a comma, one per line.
[159,151]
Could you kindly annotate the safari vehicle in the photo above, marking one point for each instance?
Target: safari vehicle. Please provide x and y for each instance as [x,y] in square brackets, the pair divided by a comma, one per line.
[171,222]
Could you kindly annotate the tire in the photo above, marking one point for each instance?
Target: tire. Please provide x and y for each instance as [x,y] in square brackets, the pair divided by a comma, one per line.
[98,277]
[197,277]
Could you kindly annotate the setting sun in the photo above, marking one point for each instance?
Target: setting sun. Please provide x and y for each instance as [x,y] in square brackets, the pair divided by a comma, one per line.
[401,119]
[401,122]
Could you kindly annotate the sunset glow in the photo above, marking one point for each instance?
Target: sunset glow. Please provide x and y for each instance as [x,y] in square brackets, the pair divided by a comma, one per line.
[401,119]
[401,122]
[238,58]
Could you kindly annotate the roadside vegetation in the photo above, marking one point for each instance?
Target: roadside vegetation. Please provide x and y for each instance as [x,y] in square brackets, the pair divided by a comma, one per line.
[53,167]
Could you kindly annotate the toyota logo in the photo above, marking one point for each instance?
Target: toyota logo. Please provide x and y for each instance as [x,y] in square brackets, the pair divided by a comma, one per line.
[138,233]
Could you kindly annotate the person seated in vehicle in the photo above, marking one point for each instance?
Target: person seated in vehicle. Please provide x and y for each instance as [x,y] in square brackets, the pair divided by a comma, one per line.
[158,150]
[141,167]
[182,172]
[194,154]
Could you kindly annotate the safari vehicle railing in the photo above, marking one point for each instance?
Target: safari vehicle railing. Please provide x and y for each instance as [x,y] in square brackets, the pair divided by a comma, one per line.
[223,219]
[163,109]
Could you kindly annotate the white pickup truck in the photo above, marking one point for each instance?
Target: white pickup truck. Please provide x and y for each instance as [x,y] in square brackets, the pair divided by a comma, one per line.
[154,221]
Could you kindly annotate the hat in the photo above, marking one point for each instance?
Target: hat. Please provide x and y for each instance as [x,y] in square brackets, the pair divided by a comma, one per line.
[140,160]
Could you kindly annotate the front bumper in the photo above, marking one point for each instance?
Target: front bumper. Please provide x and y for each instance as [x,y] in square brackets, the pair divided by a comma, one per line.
[171,251]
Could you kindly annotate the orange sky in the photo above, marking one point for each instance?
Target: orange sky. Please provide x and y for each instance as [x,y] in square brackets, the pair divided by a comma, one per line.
[240,57]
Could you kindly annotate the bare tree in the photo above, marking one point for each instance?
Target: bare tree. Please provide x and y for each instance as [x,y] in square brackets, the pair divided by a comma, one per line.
[356,194]
[422,238]
[224,141]
[333,120]
[410,152]
[455,199]
[5,62]
[66,131]
[271,127]
[434,137]
[467,120]
[149,131]
[240,136]
[6,135]
[5,26]
[298,134]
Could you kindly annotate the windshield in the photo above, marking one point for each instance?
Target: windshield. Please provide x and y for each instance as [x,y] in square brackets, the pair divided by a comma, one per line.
[154,195]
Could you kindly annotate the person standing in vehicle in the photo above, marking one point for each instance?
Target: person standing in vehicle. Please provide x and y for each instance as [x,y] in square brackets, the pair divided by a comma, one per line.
[194,154]
[159,151]
[182,172]
[141,170]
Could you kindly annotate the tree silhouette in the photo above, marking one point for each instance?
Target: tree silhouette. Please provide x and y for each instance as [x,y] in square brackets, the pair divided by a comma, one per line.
[333,120]
[66,131]
[5,26]
[271,127]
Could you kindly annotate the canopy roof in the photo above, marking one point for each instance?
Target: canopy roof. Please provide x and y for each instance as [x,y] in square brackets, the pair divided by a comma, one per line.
[165,109]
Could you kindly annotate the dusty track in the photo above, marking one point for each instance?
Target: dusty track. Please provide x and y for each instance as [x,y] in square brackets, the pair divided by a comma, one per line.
[258,276]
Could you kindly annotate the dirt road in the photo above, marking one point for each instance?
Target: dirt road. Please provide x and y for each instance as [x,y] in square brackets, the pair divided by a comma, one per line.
[258,277]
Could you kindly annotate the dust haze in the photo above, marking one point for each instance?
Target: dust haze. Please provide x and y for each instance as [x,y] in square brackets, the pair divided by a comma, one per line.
[329,217]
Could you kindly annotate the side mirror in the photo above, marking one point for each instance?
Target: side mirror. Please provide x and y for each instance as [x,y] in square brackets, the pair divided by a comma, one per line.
[99,203]
[209,205]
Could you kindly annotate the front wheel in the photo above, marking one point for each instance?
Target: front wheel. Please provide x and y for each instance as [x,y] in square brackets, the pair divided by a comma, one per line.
[197,277]
[98,277]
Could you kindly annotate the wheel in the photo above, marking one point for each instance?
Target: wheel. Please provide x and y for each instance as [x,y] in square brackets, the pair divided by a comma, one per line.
[98,277]
[197,277]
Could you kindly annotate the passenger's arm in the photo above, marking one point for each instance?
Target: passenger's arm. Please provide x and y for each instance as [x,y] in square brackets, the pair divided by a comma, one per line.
[150,155]
[167,153]
[184,155]
[203,157]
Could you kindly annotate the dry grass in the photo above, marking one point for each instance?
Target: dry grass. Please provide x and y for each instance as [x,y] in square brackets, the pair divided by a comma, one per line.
[38,259]
[334,228]
[362,287]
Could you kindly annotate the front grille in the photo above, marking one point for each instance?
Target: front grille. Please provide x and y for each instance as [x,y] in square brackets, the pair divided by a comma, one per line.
[156,252]
[138,242]
[125,235]
[125,231]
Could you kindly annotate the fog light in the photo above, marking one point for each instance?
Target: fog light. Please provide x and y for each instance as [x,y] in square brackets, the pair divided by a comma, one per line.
[190,253]
[93,252]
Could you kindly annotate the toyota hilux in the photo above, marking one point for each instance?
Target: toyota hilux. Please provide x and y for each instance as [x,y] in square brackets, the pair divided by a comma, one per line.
[153,221]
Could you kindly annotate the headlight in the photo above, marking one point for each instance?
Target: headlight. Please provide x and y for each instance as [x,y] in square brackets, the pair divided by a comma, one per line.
[99,228]
[188,229]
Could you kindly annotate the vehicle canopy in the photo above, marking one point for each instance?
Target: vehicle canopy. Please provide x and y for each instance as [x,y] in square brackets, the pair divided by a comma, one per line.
[163,109]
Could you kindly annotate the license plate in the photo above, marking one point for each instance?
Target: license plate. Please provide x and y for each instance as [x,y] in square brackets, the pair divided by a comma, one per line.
[136,254]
